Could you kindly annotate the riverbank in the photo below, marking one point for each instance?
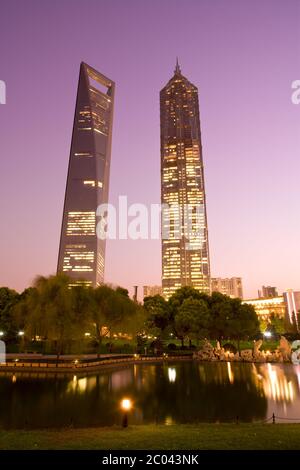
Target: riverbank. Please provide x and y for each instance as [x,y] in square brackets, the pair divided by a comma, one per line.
[201,436]
[81,366]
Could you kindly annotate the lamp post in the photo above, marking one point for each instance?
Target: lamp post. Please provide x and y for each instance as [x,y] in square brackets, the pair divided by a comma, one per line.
[126,405]
[267,334]
[21,336]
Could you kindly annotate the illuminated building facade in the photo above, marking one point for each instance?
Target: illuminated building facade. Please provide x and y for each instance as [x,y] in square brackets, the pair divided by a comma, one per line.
[81,253]
[268,307]
[185,258]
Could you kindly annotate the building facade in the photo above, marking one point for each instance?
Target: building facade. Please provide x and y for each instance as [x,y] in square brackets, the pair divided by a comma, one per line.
[266,308]
[292,303]
[81,252]
[150,291]
[268,291]
[185,250]
[233,286]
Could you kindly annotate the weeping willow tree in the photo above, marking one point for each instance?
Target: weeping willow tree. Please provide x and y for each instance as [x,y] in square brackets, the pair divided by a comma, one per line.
[54,312]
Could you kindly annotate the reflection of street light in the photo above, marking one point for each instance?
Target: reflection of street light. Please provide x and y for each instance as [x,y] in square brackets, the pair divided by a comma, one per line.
[126,405]
[171,374]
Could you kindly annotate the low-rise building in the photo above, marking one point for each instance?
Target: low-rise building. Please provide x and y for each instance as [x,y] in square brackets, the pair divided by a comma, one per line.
[268,307]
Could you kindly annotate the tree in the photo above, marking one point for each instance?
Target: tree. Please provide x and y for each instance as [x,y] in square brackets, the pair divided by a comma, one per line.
[122,310]
[52,313]
[157,309]
[192,319]
[122,291]
[23,312]
[184,293]
[276,325]
[176,301]
[8,299]
[80,304]
[221,311]
[100,308]
[263,325]
[243,321]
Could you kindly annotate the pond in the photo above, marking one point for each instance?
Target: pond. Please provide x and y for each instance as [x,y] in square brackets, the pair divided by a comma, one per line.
[164,393]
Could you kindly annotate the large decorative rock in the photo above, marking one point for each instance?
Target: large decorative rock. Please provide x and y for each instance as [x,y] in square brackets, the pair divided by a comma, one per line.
[206,353]
[246,355]
[285,348]
[256,349]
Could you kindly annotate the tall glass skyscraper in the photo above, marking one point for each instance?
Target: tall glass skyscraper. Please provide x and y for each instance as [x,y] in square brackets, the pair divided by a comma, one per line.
[185,252]
[81,253]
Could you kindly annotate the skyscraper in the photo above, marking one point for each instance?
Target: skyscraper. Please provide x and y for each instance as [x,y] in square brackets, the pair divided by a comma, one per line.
[185,252]
[81,253]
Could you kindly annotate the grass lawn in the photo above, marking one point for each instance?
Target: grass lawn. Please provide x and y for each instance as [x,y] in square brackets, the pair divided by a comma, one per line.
[202,436]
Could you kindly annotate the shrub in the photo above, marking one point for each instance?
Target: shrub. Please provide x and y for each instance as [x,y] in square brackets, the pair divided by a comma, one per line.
[230,347]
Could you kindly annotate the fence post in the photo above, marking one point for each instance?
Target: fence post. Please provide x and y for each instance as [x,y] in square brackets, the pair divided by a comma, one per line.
[273,418]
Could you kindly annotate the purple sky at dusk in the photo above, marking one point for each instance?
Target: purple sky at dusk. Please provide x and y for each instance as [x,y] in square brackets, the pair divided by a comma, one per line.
[242,55]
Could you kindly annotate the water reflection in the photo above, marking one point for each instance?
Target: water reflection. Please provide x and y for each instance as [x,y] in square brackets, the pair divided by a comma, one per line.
[183,392]
[172,374]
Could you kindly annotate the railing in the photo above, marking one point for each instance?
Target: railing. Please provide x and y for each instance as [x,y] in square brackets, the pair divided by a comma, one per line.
[271,419]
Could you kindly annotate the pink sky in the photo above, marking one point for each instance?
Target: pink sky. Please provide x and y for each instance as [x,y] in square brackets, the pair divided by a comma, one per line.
[242,55]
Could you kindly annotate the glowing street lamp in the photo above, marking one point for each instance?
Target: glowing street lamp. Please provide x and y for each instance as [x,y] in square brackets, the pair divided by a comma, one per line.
[21,333]
[126,405]
[267,334]
[1,333]
[87,335]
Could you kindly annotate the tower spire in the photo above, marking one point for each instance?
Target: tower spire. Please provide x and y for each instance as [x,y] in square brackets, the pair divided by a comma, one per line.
[177,68]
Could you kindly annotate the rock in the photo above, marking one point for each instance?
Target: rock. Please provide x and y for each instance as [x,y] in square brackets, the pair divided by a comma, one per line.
[246,355]
[256,349]
[285,348]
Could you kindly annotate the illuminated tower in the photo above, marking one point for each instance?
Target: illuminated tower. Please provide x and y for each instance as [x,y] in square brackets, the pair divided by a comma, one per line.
[81,253]
[185,253]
